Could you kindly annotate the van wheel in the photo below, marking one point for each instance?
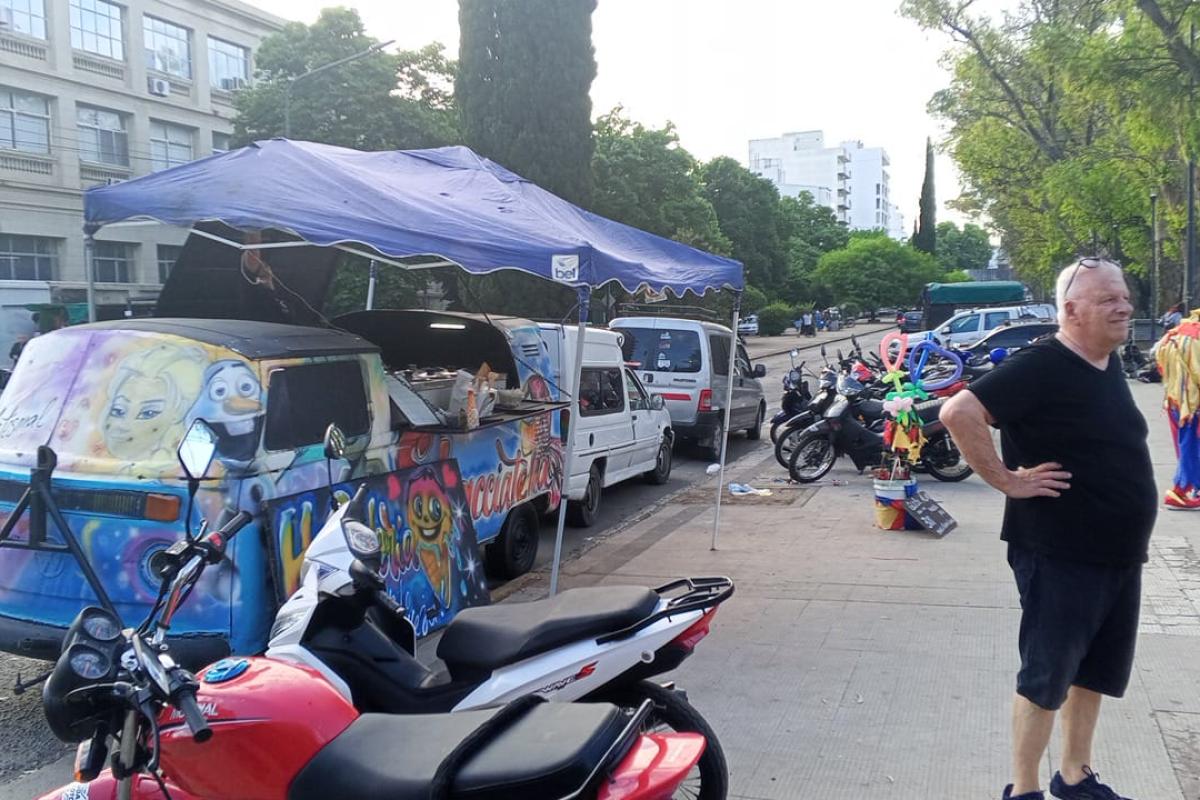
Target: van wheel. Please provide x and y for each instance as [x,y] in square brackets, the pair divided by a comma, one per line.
[662,464]
[582,514]
[513,552]
[754,433]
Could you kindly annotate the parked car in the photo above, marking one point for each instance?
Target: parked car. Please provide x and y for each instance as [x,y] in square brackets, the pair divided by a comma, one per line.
[748,325]
[911,321]
[688,363]
[1012,337]
[623,430]
[968,327]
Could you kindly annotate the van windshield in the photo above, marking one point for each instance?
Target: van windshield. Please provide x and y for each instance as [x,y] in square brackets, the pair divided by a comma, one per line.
[662,349]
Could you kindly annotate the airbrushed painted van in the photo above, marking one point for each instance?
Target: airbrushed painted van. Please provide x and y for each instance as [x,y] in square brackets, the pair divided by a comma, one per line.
[113,400]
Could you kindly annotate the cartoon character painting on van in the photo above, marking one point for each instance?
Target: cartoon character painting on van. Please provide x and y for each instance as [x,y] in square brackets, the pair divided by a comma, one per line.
[114,402]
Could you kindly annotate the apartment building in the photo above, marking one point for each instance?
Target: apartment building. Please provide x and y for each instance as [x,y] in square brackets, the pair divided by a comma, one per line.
[93,92]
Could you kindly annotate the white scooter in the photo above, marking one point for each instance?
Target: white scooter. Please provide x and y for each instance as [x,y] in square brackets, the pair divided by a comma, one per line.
[597,643]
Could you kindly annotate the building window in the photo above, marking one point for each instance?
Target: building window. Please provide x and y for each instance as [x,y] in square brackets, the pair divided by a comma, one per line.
[221,142]
[228,65]
[113,261]
[96,28]
[24,122]
[102,136]
[170,145]
[878,188]
[168,254]
[877,203]
[27,258]
[26,17]
[168,47]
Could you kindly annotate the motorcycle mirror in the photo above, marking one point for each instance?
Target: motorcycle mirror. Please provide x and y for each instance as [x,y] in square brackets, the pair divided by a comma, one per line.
[197,449]
[335,447]
[335,442]
[823,353]
[839,354]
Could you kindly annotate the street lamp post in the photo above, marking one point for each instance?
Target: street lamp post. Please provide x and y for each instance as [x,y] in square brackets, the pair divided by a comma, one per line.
[287,89]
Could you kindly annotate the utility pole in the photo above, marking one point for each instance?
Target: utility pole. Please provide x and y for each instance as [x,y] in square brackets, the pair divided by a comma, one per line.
[1154,266]
[287,87]
[1189,268]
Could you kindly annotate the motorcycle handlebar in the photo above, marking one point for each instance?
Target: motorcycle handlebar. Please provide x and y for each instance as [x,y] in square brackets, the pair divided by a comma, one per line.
[197,724]
[218,540]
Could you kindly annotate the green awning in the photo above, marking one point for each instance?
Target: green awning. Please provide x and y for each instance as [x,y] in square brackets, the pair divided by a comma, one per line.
[975,292]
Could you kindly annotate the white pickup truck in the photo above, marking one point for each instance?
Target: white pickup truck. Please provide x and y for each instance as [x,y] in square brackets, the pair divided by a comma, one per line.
[622,430]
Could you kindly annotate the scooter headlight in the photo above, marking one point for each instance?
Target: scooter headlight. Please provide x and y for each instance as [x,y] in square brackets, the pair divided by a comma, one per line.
[362,540]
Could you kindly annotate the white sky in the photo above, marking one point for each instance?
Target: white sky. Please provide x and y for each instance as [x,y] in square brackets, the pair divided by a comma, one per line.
[727,71]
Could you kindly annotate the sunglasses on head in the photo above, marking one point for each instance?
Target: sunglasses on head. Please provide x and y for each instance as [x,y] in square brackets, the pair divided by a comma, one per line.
[1087,263]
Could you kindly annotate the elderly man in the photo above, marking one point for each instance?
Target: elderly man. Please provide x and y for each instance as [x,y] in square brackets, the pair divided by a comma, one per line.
[1080,507]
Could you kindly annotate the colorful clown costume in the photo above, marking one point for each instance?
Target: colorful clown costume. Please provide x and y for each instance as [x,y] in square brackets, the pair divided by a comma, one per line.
[1178,357]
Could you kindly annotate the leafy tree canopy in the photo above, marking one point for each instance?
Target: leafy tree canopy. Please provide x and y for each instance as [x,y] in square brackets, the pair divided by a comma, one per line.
[874,270]
[378,102]
[749,214]
[962,249]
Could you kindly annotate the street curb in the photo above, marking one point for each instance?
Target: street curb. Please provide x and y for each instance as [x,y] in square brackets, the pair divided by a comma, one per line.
[817,345]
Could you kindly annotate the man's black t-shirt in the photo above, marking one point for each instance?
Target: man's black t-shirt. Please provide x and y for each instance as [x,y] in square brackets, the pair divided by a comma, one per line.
[1052,405]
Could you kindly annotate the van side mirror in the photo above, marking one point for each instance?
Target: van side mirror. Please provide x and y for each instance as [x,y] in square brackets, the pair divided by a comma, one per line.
[657,403]
[760,370]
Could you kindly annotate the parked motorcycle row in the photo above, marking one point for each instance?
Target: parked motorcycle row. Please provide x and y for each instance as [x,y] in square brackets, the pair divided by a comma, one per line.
[845,417]
[340,706]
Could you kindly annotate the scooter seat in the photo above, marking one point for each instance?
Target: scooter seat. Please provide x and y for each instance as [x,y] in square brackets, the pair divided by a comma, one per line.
[487,637]
[551,751]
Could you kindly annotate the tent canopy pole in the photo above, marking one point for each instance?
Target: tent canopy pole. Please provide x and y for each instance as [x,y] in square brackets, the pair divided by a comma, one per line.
[585,293]
[737,307]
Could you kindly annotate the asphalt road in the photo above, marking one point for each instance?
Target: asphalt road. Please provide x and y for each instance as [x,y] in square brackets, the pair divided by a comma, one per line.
[26,743]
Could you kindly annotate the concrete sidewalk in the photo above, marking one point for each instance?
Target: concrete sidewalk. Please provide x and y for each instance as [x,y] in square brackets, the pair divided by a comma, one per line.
[857,663]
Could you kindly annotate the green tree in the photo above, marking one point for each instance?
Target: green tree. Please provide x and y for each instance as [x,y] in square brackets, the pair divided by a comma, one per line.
[962,249]
[1063,117]
[749,214]
[812,230]
[874,270]
[925,237]
[645,179]
[753,300]
[774,319]
[525,70]
[379,102]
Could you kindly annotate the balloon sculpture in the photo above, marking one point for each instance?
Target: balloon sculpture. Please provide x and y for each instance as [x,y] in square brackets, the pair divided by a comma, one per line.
[1178,357]
[902,432]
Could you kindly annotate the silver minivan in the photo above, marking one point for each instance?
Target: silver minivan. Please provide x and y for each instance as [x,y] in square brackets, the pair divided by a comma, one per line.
[687,362]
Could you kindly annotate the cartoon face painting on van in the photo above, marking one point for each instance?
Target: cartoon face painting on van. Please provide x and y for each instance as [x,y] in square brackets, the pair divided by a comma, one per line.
[113,401]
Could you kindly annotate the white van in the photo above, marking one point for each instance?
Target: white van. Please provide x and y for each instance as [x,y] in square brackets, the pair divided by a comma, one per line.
[622,430]
[968,327]
[688,361]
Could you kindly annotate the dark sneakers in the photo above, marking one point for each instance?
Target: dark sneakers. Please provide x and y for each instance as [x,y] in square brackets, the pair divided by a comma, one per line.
[1008,795]
[1090,788]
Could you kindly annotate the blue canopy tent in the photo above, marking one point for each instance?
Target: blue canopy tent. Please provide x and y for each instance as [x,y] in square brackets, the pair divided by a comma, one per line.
[446,206]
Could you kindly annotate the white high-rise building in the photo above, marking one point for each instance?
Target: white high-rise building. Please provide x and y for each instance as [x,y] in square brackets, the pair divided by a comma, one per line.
[848,178]
[800,162]
[896,227]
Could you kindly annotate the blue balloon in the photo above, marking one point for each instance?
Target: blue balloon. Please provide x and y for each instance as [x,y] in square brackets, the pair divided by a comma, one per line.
[998,354]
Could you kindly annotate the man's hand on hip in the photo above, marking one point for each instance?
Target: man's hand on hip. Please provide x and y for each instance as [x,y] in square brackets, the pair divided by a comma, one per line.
[1044,480]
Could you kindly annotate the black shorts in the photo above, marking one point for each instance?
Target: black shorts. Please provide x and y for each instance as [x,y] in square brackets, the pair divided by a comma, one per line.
[1079,625]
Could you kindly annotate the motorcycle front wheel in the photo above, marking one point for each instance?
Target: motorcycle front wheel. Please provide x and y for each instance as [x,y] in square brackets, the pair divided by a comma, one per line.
[811,458]
[709,779]
[943,461]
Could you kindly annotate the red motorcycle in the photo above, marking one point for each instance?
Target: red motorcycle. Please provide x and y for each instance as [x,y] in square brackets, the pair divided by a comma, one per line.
[253,728]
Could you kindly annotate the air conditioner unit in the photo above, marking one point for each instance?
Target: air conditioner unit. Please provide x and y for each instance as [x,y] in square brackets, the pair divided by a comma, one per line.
[159,86]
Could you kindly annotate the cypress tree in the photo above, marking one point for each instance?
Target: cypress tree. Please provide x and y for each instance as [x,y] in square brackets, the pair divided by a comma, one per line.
[925,236]
[525,70]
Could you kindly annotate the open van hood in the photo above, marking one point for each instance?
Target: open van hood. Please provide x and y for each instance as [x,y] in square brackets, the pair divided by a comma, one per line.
[215,281]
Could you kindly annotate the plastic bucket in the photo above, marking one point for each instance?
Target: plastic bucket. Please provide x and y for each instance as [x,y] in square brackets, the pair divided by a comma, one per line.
[890,512]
